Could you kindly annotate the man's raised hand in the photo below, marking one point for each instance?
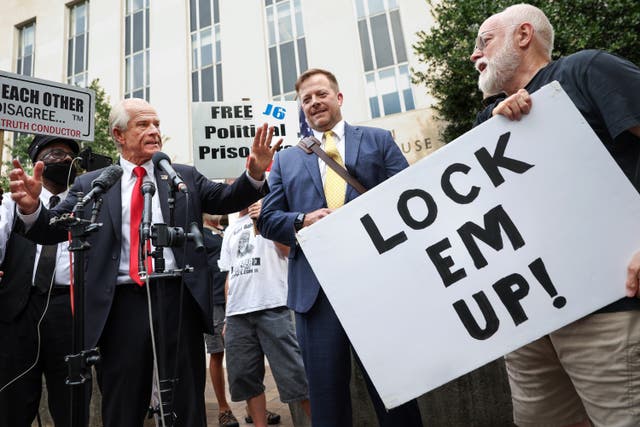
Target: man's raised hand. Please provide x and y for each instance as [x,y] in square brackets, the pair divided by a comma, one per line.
[25,189]
[262,152]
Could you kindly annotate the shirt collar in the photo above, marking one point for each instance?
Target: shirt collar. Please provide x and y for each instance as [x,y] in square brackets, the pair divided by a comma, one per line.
[127,167]
[338,131]
[45,195]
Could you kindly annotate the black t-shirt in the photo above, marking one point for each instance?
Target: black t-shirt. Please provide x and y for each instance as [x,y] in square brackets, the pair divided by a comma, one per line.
[213,244]
[606,90]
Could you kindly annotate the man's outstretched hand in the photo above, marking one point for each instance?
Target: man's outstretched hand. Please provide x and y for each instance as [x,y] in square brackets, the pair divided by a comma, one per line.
[262,152]
[25,189]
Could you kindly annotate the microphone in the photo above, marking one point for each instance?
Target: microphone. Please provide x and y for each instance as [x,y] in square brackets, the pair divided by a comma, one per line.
[148,190]
[103,182]
[162,161]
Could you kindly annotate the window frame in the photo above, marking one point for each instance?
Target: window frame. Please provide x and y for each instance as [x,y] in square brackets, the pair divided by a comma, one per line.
[73,77]
[373,71]
[135,60]
[279,49]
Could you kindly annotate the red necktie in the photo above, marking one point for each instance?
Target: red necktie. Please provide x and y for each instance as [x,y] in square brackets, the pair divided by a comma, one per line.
[137,202]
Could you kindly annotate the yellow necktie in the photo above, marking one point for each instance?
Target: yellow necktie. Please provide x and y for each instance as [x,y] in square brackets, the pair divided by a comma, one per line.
[334,186]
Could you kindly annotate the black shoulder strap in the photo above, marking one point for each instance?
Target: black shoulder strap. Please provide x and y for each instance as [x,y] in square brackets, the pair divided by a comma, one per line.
[310,144]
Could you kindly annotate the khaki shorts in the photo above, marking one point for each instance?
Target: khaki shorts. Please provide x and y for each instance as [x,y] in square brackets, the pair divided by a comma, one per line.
[588,369]
[252,336]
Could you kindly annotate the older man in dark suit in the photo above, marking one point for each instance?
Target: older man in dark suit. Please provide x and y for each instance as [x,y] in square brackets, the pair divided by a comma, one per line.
[117,318]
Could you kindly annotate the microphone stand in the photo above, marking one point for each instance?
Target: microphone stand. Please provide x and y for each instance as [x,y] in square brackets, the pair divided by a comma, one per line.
[163,236]
[164,409]
[79,363]
[172,204]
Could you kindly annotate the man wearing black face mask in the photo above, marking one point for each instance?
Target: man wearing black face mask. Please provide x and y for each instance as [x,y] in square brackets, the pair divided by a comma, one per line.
[35,313]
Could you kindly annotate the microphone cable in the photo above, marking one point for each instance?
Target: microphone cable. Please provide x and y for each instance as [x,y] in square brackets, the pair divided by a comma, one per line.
[156,373]
[182,286]
[39,339]
[154,349]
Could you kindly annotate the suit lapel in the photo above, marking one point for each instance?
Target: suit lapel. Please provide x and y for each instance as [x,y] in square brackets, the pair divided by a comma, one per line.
[114,204]
[311,163]
[162,187]
[352,139]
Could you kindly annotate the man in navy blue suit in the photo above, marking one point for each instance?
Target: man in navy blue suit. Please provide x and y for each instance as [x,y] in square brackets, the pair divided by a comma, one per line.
[297,199]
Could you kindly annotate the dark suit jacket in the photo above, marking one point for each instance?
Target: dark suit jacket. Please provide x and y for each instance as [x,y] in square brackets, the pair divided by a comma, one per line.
[17,266]
[371,156]
[103,259]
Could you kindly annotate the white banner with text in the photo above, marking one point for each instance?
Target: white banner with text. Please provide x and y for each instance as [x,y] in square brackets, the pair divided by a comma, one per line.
[31,105]
[511,231]
[223,133]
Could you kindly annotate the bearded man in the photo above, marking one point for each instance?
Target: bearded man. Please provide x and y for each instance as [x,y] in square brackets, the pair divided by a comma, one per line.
[586,373]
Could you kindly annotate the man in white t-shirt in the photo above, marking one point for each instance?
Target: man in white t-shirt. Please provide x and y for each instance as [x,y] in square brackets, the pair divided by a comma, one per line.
[258,322]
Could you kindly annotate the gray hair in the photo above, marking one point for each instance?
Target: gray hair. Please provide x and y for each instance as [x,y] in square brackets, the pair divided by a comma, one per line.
[118,119]
[523,12]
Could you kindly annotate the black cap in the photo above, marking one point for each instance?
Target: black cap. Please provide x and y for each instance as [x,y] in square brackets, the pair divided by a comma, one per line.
[41,141]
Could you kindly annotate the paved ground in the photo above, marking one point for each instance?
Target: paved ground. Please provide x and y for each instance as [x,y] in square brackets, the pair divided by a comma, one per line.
[238,408]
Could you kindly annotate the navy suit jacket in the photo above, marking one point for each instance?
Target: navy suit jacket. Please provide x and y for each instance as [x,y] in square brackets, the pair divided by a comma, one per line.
[371,156]
[103,259]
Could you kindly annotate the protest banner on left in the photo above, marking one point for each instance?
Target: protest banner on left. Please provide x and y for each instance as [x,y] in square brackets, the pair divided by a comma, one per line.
[32,105]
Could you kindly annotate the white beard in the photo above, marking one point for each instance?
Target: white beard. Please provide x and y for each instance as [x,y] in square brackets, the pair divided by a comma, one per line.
[499,70]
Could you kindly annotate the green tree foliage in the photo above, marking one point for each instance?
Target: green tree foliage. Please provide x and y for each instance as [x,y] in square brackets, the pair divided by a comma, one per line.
[449,76]
[101,144]
[18,151]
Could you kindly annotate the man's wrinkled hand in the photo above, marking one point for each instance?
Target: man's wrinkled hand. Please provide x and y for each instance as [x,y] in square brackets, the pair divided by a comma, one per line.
[633,270]
[514,106]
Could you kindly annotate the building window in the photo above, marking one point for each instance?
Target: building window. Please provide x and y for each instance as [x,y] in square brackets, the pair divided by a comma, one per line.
[26,49]
[206,58]
[384,56]
[136,49]
[287,48]
[78,43]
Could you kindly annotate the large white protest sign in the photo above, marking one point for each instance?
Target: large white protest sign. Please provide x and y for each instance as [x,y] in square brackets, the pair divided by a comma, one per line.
[44,107]
[222,133]
[502,236]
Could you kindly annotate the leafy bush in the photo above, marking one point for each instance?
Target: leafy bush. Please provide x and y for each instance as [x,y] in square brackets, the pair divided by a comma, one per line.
[450,78]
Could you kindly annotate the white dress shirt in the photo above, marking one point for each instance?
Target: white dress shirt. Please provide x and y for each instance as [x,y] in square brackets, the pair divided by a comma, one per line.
[126,186]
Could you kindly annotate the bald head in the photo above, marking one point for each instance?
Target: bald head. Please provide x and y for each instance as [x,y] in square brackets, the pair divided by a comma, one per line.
[511,47]
[543,30]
